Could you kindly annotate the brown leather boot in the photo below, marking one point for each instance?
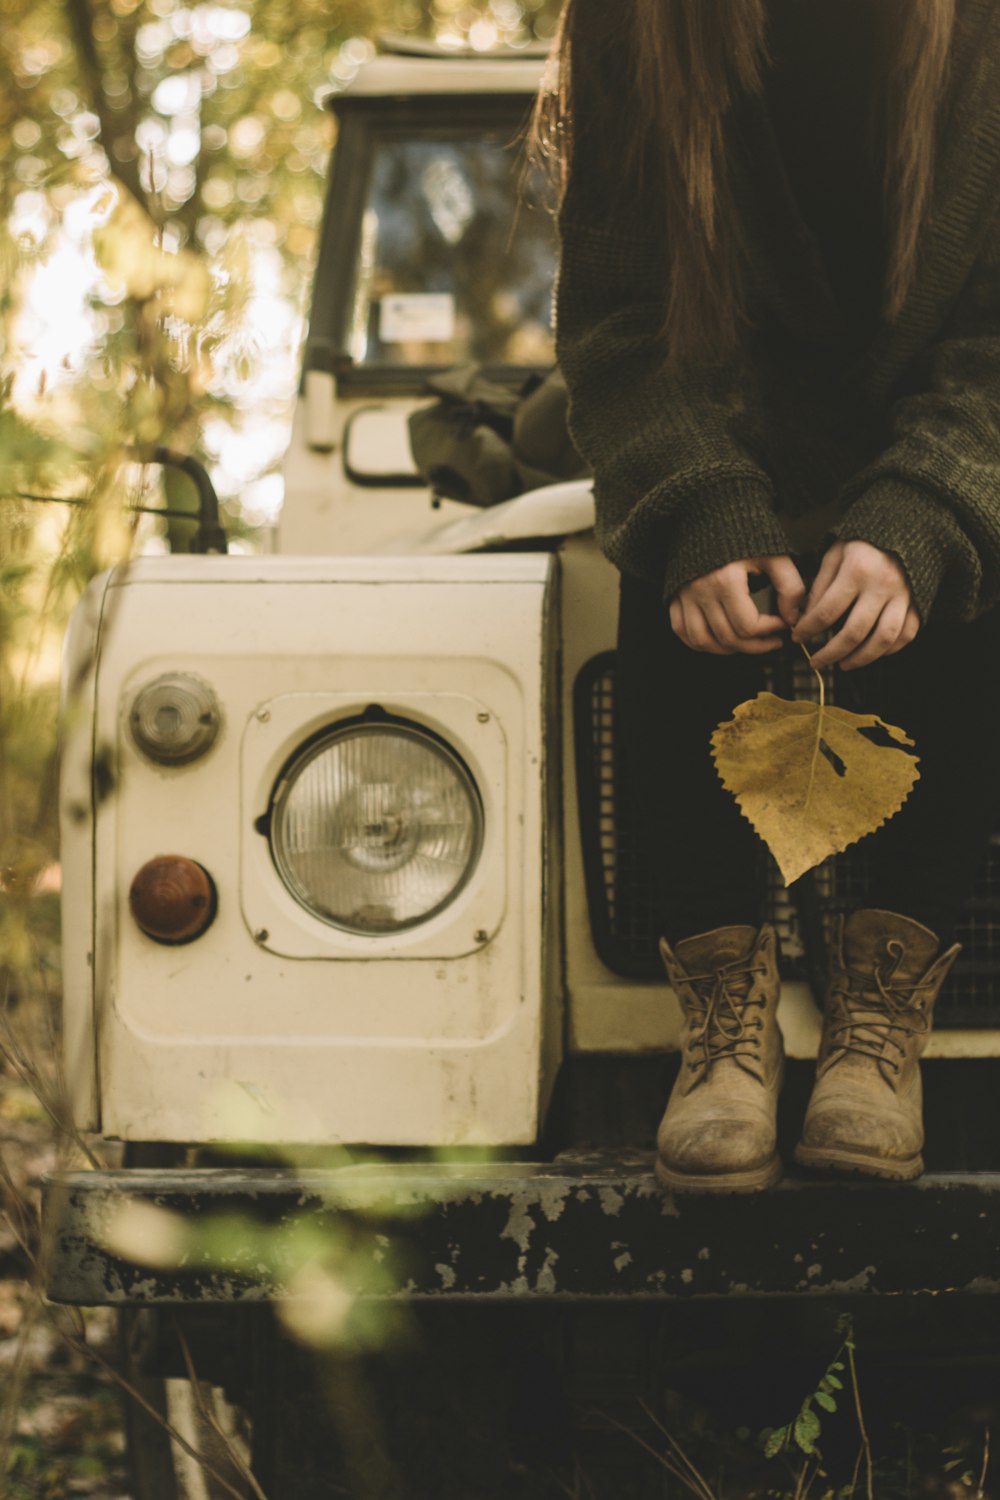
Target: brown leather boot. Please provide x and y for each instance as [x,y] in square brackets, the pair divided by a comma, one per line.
[865,1114]
[718,1134]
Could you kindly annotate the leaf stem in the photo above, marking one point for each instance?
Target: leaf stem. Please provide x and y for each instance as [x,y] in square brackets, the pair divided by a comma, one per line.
[819,725]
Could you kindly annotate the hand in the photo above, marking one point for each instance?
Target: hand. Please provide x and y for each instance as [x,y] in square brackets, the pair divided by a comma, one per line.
[716,613]
[869,587]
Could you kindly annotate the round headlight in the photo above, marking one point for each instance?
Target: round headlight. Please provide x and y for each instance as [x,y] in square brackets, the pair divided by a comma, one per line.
[376,827]
[175,719]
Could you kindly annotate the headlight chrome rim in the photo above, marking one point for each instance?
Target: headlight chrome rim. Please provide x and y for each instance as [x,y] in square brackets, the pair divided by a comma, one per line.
[384,728]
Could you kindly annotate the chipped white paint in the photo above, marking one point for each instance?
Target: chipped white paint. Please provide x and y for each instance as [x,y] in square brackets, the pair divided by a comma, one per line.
[551,1198]
[859,1283]
[545,1282]
[519,1227]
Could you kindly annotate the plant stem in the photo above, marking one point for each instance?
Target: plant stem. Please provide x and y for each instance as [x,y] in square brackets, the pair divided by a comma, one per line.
[208,1414]
[981,1489]
[866,1447]
[86,1349]
[699,1489]
[819,726]
[696,1475]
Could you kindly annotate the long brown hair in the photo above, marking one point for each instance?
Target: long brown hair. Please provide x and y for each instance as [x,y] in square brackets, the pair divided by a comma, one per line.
[687,63]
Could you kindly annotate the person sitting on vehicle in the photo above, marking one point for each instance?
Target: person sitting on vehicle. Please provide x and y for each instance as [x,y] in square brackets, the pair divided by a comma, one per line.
[778,317]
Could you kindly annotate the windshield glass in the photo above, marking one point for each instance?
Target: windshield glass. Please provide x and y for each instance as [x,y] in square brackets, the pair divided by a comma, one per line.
[455,265]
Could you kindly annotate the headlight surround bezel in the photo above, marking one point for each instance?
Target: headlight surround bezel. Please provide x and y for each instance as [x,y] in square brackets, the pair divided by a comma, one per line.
[374,721]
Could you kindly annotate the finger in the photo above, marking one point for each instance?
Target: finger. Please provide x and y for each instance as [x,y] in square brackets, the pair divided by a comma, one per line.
[730,642]
[911,628]
[677,618]
[881,639]
[747,621]
[718,623]
[769,630]
[828,570]
[856,629]
[760,645]
[788,586]
[697,634]
[830,607]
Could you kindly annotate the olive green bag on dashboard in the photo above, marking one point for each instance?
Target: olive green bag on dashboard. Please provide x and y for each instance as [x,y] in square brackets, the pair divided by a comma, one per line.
[481,442]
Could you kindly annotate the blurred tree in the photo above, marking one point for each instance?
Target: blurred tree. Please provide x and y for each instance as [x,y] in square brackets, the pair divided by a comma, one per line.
[203,113]
[206,120]
[159,156]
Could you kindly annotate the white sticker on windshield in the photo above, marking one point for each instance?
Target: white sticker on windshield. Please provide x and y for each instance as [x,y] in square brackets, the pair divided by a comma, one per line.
[427,316]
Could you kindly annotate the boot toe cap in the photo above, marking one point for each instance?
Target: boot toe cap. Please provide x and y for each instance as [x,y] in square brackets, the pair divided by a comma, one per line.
[724,1145]
[864,1132]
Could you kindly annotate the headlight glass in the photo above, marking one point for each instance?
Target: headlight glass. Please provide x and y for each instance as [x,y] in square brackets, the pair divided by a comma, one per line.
[376,827]
[175,719]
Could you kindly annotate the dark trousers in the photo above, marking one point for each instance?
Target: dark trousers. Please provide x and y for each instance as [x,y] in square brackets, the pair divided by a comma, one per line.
[943,690]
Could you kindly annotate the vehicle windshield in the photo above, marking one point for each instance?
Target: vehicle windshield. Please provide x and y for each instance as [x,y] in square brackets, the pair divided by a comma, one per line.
[456,263]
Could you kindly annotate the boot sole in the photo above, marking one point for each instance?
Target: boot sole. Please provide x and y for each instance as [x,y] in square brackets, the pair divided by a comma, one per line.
[754,1181]
[829,1159]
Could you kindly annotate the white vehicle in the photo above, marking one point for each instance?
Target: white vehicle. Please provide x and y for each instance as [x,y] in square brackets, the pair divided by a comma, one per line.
[344,864]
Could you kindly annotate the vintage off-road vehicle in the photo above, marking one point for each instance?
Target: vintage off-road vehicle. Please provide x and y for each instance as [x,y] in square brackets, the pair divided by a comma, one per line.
[356,925]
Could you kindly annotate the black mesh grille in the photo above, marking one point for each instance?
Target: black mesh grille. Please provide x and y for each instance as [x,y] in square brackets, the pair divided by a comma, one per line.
[619,887]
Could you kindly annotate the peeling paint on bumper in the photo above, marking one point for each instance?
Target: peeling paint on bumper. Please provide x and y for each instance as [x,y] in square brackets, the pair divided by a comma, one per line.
[596,1227]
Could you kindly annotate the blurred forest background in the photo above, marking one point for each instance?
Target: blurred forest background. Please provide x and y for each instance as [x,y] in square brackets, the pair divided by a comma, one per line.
[162,189]
[160,200]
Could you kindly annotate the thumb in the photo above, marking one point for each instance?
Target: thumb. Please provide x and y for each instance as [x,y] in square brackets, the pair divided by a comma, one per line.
[790,591]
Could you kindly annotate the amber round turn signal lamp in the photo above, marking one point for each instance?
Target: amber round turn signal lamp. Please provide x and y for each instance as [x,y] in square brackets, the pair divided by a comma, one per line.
[173,899]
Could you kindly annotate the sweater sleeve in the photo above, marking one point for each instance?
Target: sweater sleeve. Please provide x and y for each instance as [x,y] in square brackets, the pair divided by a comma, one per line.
[932,497]
[677,489]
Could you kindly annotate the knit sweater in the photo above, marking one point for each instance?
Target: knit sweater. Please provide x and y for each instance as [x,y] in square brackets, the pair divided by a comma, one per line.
[900,443]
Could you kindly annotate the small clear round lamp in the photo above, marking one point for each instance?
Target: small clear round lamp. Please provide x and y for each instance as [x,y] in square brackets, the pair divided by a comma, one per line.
[376,828]
[175,719]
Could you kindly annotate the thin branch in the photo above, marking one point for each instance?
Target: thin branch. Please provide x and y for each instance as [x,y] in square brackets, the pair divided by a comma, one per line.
[81,24]
[19,1238]
[33,1080]
[82,1347]
[678,1450]
[698,1489]
[866,1447]
[15,1378]
[981,1490]
[209,1416]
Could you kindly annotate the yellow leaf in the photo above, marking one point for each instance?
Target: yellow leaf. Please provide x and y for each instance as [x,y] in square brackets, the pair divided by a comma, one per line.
[807,779]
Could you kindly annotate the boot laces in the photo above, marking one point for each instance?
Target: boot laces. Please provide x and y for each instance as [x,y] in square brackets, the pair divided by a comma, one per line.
[876,1011]
[720,1027]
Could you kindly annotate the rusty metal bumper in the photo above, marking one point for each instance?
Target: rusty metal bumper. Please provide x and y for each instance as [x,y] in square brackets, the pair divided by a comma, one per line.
[588,1227]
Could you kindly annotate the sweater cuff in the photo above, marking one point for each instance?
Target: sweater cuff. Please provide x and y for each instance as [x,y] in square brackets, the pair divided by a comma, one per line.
[904,520]
[733,521]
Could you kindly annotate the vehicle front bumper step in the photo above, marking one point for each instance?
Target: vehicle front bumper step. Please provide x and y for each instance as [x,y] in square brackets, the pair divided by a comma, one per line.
[592,1226]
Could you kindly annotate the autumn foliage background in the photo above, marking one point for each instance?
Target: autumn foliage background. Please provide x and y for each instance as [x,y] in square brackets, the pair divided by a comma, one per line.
[160,199]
